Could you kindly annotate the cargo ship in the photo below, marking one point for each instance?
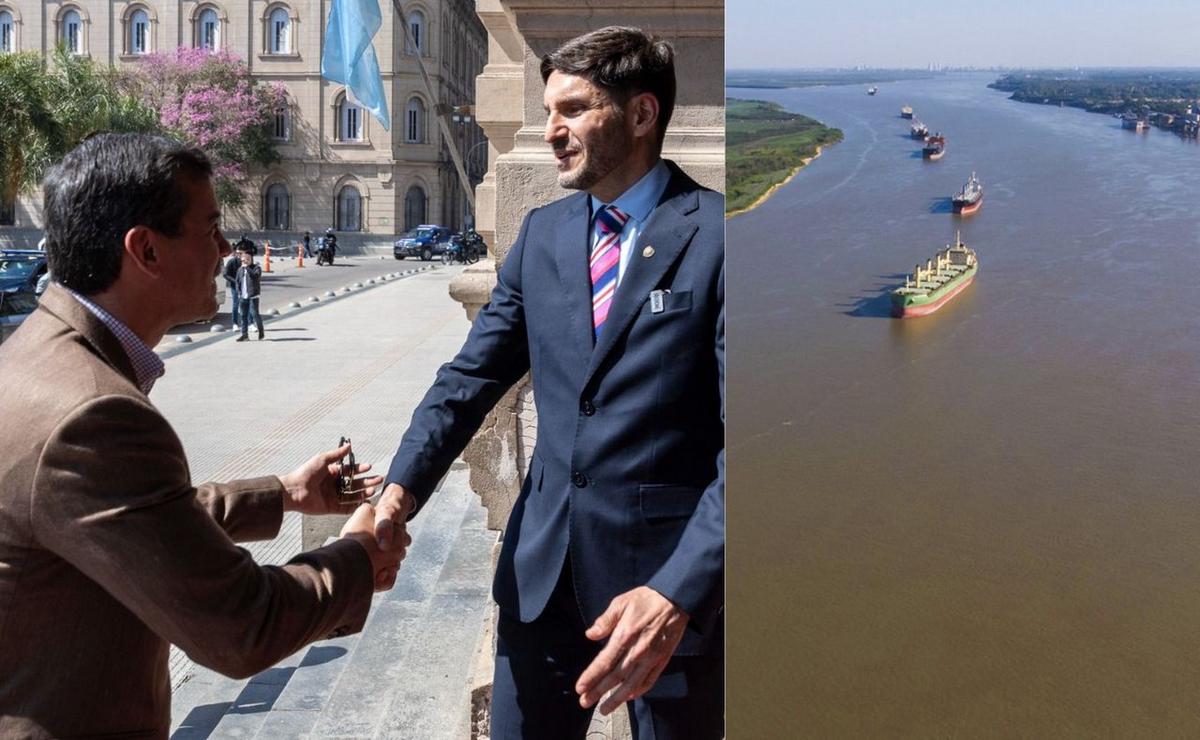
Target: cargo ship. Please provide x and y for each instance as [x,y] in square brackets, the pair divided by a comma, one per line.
[968,200]
[930,287]
[919,131]
[1131,122]
[906,112]
[935,147]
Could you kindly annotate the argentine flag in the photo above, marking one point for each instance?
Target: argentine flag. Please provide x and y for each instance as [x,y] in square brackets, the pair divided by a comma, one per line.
[349,57]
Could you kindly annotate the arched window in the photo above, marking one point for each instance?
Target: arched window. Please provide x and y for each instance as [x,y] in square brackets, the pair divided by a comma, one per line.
[282,127]
[279,32]
[350,121]
[208,30]
[139,32]
[71,31]
[278,210]
[414,207]
[416,30]
[8,33]
[349,209]
[414,122]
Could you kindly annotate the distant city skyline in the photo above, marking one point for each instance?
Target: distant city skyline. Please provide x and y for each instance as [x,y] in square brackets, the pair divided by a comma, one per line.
[917,34]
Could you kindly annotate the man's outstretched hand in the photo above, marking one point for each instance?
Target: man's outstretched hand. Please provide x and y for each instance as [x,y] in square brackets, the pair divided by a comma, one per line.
[645,628]
[384,563]
[391,514]
[312,487]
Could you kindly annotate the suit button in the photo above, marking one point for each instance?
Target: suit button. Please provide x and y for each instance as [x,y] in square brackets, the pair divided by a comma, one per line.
[579,479]
[587,408]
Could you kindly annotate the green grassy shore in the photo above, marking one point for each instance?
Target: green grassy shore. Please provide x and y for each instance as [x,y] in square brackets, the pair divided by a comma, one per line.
[765,146]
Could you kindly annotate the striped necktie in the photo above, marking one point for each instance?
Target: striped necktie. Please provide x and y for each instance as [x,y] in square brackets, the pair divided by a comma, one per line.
[604,263]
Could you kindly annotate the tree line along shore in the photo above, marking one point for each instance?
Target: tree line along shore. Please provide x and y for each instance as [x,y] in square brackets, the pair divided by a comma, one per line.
[764,147]
[1113,91]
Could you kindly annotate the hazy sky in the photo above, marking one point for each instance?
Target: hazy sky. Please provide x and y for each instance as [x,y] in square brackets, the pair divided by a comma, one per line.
[981,33]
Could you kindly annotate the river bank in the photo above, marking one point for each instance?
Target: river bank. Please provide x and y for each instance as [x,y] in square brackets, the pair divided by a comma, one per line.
[766,146]
[771,190]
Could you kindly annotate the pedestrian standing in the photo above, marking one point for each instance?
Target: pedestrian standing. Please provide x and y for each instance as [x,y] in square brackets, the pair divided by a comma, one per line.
[249,277]
[307,244]
[230,274]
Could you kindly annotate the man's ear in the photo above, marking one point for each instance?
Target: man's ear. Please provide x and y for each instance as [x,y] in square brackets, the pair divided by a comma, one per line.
[644,114]
[140,250]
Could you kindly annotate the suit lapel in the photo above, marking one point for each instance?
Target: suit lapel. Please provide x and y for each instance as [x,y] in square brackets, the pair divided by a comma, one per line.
[668,232]
[63,306]
[570,246]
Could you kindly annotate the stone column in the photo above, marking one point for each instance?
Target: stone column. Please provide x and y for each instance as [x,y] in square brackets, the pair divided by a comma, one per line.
[521,175]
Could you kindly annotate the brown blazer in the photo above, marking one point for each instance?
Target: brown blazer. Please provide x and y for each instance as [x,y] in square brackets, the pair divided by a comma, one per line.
[108,552]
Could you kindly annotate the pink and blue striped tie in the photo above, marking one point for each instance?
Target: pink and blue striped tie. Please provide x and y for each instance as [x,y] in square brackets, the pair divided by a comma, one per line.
[604,263]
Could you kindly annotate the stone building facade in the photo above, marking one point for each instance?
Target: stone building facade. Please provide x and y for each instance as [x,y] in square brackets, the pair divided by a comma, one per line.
[340,167]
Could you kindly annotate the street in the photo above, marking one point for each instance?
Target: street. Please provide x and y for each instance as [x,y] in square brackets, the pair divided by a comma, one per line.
[288,283]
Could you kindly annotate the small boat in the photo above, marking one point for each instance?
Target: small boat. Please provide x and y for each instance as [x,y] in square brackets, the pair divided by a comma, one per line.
[872,90]
[919,130]
[906,112]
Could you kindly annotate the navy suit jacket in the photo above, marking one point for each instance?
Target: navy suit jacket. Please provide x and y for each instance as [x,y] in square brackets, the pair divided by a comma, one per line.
[628,473]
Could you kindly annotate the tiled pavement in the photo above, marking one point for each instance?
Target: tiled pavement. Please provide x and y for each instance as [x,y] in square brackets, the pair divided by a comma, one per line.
[356,367]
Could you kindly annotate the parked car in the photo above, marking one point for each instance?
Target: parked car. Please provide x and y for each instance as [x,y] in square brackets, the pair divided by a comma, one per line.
[426,241]
[21,268]
[15,305]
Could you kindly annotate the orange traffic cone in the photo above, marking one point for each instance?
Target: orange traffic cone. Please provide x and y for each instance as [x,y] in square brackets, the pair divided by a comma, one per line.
[267,257]
[299,255]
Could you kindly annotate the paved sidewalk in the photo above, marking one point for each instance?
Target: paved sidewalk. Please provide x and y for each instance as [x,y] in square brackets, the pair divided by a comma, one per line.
[355,366]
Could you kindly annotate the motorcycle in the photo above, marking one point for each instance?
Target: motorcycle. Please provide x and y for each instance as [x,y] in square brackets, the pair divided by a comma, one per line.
[325,250]
[466,249]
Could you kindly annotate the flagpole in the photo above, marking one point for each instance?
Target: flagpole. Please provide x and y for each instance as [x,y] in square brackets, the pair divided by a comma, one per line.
[440,111]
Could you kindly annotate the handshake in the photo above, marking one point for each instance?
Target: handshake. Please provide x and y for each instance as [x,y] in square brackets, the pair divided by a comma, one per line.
[326,485]
[385,563]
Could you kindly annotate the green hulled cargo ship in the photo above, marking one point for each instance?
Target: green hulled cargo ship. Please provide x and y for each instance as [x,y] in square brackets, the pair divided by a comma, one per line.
[930,287]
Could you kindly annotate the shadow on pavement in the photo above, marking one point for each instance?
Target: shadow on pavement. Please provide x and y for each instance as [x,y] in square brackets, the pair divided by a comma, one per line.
[256,697]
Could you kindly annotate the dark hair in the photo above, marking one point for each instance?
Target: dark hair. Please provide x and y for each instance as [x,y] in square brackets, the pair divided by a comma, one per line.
[104,187]
[622,61]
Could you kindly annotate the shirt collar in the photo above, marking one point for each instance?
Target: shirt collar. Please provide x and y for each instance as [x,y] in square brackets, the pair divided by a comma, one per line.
[639,200]
[147,366]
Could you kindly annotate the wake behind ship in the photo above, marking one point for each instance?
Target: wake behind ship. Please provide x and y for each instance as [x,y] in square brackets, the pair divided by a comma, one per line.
[929,288]
[969,198]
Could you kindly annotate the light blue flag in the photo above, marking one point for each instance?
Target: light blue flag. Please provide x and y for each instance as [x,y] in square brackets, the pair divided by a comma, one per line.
[349,57]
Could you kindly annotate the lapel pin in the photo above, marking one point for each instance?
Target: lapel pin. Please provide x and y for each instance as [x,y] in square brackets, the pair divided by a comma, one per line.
[648,252]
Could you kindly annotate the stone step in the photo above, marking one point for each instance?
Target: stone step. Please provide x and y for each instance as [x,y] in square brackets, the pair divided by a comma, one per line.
[360,699]
[344,687]
[433,702]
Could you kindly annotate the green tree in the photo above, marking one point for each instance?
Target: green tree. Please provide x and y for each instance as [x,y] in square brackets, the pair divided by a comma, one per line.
[30,136]
[49,109]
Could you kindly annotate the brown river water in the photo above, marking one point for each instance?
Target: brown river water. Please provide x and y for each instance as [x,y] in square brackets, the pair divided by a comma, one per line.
[985,522]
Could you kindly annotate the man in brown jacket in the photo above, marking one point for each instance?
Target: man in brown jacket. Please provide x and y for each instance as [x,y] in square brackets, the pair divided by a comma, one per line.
[107,551]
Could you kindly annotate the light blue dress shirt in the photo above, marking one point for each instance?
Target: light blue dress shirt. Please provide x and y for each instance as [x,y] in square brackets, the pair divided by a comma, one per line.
[638,203]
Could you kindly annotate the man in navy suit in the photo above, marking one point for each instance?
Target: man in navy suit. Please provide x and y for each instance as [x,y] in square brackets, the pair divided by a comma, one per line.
[610,579]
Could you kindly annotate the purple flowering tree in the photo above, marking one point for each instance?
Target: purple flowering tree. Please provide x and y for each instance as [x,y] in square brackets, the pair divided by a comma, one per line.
[211,101]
